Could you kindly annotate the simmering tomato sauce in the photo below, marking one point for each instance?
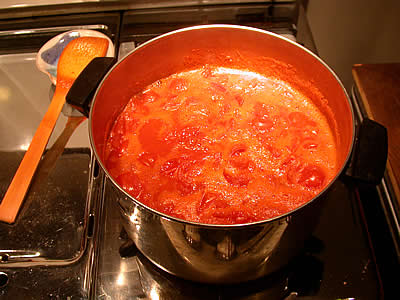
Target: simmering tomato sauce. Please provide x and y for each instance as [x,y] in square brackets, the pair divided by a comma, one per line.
[221,146]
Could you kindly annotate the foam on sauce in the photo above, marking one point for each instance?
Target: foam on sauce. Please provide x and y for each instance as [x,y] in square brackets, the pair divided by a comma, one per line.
[221,146]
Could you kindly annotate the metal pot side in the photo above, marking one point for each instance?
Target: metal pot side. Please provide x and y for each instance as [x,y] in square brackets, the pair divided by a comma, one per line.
[218,253]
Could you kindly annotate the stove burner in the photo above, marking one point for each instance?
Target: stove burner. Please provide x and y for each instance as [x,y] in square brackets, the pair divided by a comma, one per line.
[3,279]
[302,277]
[128,248]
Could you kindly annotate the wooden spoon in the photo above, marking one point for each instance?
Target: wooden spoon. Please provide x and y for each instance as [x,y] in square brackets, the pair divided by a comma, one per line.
[74,58]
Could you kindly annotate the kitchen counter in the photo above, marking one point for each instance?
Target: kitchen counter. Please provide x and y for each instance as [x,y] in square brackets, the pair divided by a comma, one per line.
[379,89]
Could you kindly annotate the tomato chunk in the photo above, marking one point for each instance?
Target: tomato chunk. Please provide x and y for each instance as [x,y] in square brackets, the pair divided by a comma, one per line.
[186,174]
[299,119]
[178,84]
[130,182]
[239,99]
[152,136]
[170,167]
[149,96]
[312,176]
[212,199]
[262,120]
[148,159]
[239,159]
[237,176]
[310,145]
[218,87]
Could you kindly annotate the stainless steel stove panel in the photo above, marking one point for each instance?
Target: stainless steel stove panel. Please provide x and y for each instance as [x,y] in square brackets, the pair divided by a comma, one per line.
[24,101]
[48,253]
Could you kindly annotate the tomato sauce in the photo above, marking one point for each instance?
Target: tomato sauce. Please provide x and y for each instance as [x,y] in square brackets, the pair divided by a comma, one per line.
[221,146]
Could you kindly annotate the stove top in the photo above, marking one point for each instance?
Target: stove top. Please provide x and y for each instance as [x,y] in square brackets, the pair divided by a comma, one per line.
[335,263]
[68,241]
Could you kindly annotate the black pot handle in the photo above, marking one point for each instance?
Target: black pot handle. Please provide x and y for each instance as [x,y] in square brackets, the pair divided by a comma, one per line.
[368,162]
[82,90]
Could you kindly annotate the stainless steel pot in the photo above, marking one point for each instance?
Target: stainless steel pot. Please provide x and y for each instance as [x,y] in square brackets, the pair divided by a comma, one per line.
[219,253]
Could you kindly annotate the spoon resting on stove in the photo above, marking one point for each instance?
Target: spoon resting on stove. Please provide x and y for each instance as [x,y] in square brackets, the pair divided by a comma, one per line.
[46,62]
[74,58]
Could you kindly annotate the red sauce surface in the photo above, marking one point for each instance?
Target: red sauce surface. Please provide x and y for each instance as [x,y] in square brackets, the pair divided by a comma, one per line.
[221,146]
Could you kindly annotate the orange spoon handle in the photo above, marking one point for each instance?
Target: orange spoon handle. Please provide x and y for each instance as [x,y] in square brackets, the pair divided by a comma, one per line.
[16,192]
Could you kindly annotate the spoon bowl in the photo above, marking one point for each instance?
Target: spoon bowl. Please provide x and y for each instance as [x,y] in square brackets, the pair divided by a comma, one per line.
[49,54]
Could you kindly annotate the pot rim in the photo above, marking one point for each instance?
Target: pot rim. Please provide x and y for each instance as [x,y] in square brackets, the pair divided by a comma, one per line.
[225,226]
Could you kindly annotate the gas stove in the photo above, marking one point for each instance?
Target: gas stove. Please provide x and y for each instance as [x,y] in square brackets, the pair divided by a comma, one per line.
[68,241]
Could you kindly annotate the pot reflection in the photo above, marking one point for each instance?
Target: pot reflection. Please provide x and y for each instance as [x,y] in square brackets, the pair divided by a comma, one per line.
[301,278]
[217,254]
[157,284]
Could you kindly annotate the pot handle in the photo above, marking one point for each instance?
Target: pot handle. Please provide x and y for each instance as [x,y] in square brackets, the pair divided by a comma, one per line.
[81,93]
[368,162]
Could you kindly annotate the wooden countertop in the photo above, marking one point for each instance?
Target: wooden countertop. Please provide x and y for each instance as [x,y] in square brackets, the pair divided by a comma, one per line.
[379,88]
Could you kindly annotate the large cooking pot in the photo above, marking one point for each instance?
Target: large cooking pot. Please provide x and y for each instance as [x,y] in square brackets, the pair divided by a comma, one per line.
[220,253]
